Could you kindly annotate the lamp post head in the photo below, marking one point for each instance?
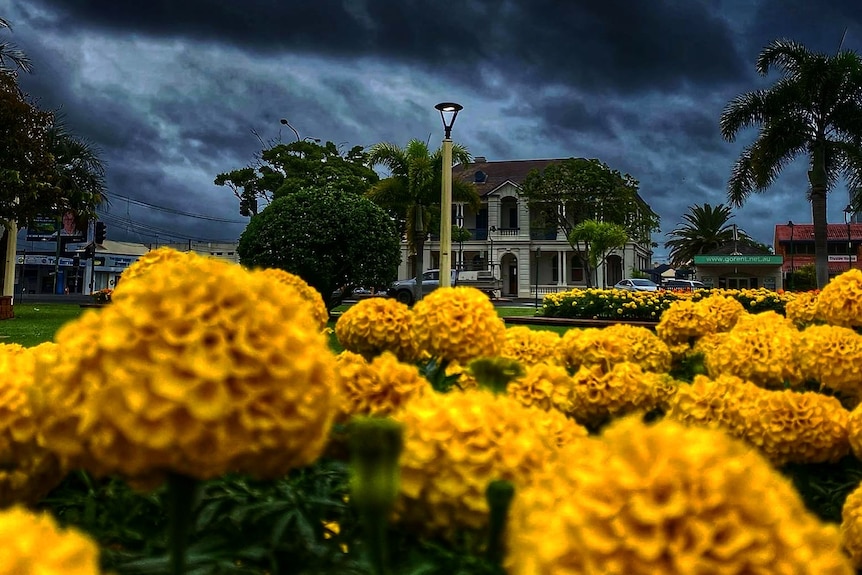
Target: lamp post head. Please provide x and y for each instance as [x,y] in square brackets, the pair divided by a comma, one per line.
[448,113]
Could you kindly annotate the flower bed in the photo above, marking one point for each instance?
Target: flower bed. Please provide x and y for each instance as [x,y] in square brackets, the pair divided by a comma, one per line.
[200,423]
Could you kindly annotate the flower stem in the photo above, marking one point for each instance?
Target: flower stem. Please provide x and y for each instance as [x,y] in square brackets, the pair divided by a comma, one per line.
[499,496]
[181,498]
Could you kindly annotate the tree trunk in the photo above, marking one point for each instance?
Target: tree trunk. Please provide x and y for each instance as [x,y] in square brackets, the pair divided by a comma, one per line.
[817,179]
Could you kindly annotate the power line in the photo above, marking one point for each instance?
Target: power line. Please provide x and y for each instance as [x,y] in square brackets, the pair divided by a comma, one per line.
[155,231]
[177,212]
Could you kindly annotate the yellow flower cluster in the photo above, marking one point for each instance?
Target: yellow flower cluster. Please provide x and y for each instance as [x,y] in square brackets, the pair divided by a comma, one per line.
[463,377]
[668,499]
[597,394]
[454,445]
[614,344]
[310,295]
[376,388]
[375,325]
[854,430]
[561,430]
[530,346]
[544,386]
[683,321]
[801,308]
[832,356]
[786,426]
[149,260]
[851,526]
[840,301]
[35,544]
[27,470]
[760,348]
[458,324]
[198,367]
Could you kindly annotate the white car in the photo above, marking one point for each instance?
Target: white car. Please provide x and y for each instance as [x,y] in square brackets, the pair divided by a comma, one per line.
[636,285]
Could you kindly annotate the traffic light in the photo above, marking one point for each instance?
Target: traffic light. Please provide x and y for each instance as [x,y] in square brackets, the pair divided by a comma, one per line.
[100,233]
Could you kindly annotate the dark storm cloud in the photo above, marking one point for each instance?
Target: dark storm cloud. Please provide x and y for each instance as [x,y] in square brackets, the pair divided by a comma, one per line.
[818,25]
[616,44]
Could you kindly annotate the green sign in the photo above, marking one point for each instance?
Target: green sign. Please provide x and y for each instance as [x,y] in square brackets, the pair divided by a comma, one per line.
[766,260]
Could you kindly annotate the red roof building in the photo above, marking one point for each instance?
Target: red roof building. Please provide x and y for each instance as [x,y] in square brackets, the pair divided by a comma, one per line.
[796,243]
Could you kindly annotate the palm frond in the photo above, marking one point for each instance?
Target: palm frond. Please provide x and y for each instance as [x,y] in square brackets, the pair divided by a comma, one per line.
[786,55]
[741,182]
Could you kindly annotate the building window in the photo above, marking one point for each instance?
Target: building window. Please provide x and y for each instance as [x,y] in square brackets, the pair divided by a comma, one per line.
[577,269]
[555,270]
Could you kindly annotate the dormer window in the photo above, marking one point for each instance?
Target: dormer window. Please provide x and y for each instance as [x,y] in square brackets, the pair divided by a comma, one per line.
[480,177]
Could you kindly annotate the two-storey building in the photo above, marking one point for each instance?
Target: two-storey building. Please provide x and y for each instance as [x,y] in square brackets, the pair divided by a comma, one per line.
[527,257]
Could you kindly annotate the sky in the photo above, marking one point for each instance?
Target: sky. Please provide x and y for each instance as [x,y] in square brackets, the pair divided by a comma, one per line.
[173,92]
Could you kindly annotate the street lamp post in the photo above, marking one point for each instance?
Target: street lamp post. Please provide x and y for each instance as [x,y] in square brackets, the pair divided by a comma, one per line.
[538,254]
[848,211]
[792,254]
[448,113]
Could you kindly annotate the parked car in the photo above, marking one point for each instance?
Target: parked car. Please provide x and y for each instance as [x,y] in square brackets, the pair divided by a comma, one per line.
[636,284]
[403,290]
[682,285]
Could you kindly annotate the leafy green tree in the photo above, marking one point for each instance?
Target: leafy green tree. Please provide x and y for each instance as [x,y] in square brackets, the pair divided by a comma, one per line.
[599,240]
[411,193]
[813,110]
[11,58]
[330,238]
[285,168]
[704,229]
[44,169]
[575,190]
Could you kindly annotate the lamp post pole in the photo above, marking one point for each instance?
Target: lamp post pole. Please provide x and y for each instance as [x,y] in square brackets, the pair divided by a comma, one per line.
[448,111]
[847,212]
[792,254]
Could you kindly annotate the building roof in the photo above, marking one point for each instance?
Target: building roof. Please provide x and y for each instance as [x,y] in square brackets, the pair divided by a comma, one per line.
[805,232]
[122,248]
[498,173]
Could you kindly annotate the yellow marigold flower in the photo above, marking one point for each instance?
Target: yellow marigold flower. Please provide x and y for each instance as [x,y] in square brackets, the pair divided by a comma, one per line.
[151,259]
[832,356]
[310,295]
[36,544]
[375,325]
[854,430]
[614,344]
[786,426]
[665,498]
[28,471]
[724,311]
[376,388]
[760,348]
[458,323]
[454,445]
[801,308]
[544,386]
[597,395]
[530,346]
[561,430]
[851,526]
[840,301]
[685,320]
[198,367]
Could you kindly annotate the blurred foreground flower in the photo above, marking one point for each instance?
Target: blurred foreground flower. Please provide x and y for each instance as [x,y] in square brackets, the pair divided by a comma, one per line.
[198,368]
[33,544]
[28,471]
[310,295]
[667,499]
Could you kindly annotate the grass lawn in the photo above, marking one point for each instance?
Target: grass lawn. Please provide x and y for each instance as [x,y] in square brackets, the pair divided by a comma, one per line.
[35,323]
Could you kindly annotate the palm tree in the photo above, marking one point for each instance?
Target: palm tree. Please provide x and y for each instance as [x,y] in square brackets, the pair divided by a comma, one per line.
[815,110]
[80,173]
[11,58]
[413,189]
[705,228]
